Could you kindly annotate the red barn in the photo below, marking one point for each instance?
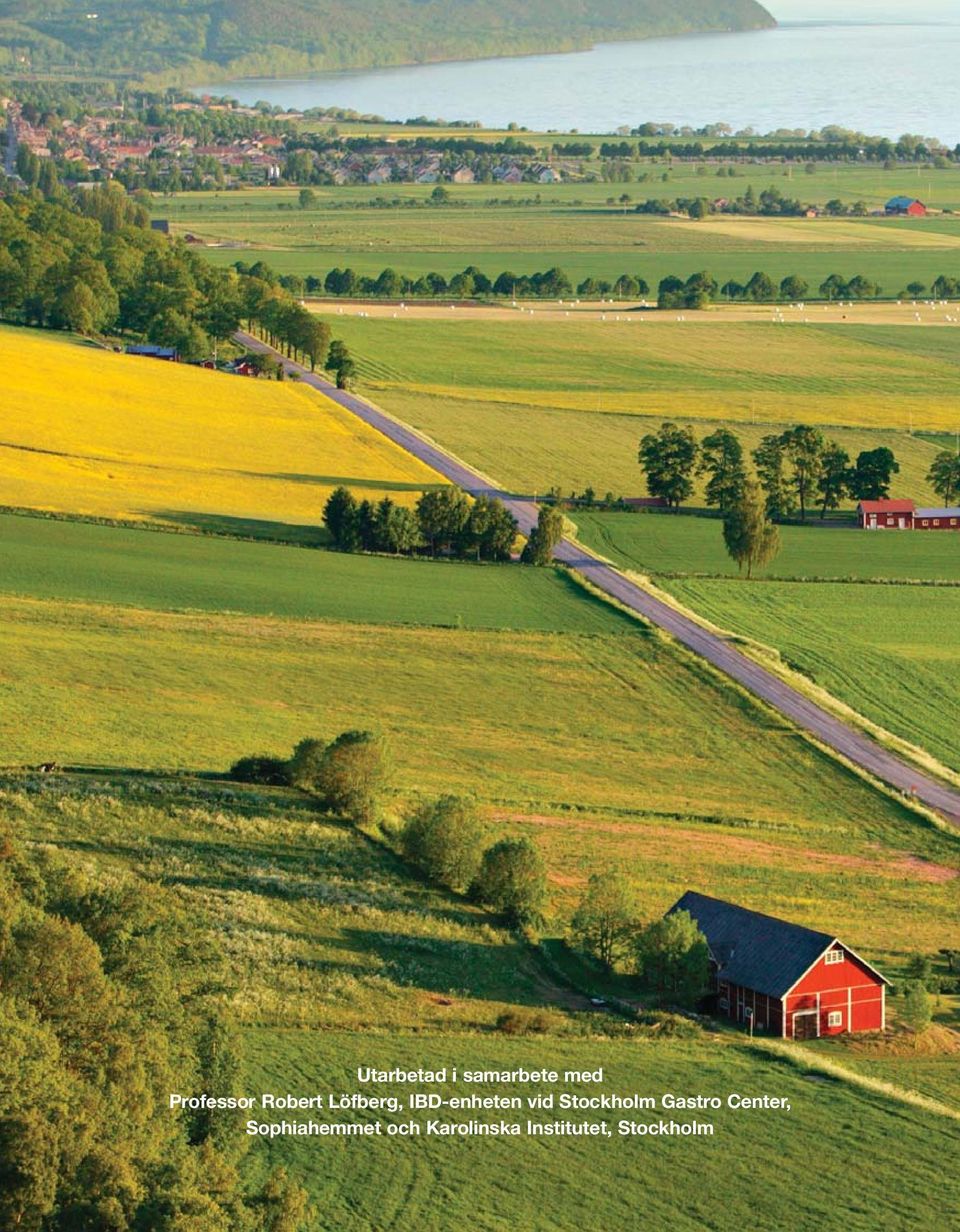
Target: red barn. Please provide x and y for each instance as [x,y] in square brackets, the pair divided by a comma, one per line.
[937,519]
[908,207]
[886,514]
[788,980]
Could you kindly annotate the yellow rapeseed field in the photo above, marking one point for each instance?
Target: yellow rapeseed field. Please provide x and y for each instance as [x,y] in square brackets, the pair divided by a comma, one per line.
[88,431]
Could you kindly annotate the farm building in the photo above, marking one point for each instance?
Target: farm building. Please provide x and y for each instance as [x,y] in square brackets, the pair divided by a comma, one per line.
[937,519]
[904,515]
[785,979]
[886,514]
[154,352]
[905,206]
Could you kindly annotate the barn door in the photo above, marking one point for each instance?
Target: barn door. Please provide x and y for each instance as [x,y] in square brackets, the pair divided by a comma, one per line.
[806,1024]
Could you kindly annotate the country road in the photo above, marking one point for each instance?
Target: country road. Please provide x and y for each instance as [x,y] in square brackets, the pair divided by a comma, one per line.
[833,732]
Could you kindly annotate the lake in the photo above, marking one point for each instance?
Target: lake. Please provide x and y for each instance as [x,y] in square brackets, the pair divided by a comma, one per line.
[879,76]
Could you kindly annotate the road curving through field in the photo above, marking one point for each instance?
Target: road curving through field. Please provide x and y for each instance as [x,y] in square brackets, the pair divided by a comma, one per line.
[853,745]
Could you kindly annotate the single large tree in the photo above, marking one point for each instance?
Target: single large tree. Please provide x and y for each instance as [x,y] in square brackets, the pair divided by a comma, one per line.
[872,473]
[721,457]
[544,537]
[673,958]
[605,921]
[445,838]
[513,880]
[833,481]
[668,457]
[749,535]
[944,476]
[771,469]
[803,448]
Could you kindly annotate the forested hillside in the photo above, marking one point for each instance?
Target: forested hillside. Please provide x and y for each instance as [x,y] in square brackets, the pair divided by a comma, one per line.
[268,37]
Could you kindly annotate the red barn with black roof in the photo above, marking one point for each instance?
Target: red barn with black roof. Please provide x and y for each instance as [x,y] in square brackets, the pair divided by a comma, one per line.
[791,981]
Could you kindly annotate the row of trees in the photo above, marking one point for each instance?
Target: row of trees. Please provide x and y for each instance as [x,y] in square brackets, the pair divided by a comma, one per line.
[444,520]
[696,291]
[112,996]
[796,468]
[669,954]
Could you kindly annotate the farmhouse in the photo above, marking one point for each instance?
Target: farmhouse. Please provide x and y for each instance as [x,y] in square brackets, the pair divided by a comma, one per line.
[785,979]
[886,514]
[909,206]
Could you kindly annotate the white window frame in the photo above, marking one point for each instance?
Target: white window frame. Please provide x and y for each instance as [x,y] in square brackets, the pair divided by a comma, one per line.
[832,957]
[835,1018]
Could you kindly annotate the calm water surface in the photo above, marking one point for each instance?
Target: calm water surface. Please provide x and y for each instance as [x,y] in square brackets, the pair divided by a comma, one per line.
[876,75]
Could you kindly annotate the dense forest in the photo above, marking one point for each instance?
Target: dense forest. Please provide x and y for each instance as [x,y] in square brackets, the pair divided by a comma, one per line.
[275,37]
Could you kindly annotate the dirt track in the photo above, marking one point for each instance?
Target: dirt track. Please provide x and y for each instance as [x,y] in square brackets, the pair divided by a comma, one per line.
[849,743]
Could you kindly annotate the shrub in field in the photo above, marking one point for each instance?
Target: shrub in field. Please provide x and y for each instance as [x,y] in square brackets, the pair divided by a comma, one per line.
[349,775]
[526,1022]
[513,880]
[915,1009]
[445,839]
[304,765]
[261,769]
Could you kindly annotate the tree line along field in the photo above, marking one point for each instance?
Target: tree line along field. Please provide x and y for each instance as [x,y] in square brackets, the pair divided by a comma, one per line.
[340,959]
[177,444]
[573,397]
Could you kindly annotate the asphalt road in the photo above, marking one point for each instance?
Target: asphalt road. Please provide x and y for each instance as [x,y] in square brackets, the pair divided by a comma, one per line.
[851,744]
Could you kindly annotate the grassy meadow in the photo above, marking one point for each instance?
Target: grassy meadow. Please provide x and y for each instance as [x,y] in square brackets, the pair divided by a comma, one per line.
[87,431]
[340,959]
[61,560]
[664,544]
[605,747]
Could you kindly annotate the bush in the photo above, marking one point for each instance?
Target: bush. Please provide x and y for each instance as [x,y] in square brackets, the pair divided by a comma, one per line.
[526,1022]
[513,880]
[445,840]
[263,770]
[349,775]
[304,765]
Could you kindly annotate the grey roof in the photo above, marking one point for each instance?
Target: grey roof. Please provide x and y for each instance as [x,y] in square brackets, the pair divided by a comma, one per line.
[937,513]
[753,950]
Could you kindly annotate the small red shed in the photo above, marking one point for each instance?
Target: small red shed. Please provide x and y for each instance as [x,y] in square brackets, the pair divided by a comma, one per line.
[786,979]
[886,514]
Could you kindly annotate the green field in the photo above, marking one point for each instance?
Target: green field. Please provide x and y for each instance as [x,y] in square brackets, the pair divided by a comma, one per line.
[572,225]
[890,652]
[339,959]
[603,747]
[664,544]
[63,560]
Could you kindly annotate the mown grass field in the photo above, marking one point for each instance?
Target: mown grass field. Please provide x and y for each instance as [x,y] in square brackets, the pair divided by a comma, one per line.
[759,373]
[87,431]
[340,959]
[890,652]
[664,544]
[62,560]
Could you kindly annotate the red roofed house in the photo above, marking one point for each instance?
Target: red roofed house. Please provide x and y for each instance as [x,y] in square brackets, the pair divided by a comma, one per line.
[886,514]
[785,979]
